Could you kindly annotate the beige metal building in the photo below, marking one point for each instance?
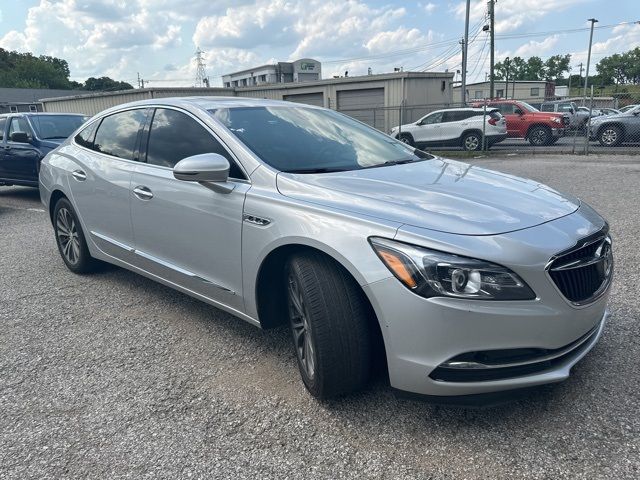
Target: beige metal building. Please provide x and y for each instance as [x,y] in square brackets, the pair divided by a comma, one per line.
[528,90]
[373,99]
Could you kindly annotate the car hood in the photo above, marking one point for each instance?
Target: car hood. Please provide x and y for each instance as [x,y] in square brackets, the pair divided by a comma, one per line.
[437,194]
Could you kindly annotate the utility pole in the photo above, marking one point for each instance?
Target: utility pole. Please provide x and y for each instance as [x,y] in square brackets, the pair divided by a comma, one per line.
[506,82]
[465,50]
[579,77]
[586,76]
[201,74]
[492,37]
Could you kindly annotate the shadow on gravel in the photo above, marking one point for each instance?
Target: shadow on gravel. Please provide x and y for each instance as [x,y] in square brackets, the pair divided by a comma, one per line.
[20,193]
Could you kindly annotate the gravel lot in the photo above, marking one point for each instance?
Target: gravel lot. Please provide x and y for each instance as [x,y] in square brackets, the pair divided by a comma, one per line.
[115,376]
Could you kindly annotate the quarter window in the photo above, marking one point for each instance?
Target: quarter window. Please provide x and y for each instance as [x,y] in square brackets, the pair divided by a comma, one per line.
[174,136]
[117,134]
[85,137]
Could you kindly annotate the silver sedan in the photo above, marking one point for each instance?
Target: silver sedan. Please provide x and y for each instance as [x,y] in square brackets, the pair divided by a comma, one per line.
[465,280]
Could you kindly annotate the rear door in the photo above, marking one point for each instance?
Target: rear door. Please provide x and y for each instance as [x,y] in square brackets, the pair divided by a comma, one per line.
[453,123]
[3,143]
[100,180]
[184,232]
[20,160]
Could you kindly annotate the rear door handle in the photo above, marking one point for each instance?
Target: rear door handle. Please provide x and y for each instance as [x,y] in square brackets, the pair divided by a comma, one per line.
[79,175]
[143,193]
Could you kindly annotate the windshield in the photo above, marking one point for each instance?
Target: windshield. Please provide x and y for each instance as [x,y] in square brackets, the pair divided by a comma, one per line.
[531,108]
[49,127]
[309,140]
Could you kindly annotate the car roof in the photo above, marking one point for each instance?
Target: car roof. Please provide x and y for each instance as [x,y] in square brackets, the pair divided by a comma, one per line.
[209,103]
[41,114]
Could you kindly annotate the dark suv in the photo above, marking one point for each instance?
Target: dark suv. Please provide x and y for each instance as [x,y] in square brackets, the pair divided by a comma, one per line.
[25,138]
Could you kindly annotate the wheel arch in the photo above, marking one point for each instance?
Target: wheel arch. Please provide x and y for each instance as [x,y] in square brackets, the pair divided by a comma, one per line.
[56,195]
[619,125]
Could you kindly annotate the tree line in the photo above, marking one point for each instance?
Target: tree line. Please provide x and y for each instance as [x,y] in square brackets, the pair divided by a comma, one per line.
[25,70]
[617,69]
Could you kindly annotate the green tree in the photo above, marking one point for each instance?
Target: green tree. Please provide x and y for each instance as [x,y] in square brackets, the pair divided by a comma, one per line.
[556,66]
[535,69]
[105,84]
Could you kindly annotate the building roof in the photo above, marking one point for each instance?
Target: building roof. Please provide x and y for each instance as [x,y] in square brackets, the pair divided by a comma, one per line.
[30,95]
[502,82]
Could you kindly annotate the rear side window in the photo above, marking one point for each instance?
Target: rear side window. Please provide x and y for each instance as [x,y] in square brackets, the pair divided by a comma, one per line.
[118,133]
[174,136]
[3,124]
[85,137]
[455,116]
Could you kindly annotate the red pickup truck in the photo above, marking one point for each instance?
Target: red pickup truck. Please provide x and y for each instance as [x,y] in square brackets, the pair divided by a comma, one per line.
[525,121]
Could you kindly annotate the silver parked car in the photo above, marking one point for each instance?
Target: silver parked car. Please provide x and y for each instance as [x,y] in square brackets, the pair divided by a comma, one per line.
[466,280]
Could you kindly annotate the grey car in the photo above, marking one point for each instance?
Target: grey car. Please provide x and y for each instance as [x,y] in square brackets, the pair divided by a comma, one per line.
[459,280]
[613,130]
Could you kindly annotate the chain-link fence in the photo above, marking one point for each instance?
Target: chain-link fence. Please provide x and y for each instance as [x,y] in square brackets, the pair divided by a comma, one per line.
[573,125]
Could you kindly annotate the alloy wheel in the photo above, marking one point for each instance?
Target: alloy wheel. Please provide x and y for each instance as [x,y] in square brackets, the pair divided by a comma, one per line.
[609,136]
[299,320]
[471,143]
[67,233]
[539,137]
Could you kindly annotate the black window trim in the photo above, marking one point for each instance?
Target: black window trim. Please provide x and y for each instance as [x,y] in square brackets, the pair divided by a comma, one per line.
[144,141]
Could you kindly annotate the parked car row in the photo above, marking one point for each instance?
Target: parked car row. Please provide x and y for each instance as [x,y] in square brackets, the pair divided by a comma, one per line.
[463,127]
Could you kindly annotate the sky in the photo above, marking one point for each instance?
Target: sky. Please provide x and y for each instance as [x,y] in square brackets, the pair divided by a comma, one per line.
[158,38]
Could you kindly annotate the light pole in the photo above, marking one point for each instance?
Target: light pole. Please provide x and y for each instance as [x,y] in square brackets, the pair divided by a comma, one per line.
[465,50]
[586,76]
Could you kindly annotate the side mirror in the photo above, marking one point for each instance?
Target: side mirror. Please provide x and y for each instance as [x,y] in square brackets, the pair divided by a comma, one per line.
[19,137]
[209,169]
[517,111]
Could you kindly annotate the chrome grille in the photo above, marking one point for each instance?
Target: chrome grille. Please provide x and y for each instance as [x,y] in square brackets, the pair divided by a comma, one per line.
[583,273]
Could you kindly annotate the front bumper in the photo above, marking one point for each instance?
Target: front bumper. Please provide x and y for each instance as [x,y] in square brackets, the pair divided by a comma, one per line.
[558,132]
[530,343]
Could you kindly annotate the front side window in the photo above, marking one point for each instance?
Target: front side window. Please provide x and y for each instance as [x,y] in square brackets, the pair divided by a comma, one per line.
[174,136]
[504,108]
[433,118]
[117,133]
[309,140]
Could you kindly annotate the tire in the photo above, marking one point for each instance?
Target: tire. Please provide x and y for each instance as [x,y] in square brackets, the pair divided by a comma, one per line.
[74,250]
[539,136]
[328,318]
[472,142]
[406,138]
[610,136]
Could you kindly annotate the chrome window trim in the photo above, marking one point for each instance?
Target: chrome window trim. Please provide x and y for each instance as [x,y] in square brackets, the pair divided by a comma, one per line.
[139,162]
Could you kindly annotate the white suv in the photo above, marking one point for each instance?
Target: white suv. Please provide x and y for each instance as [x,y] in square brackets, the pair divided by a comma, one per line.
[454,127]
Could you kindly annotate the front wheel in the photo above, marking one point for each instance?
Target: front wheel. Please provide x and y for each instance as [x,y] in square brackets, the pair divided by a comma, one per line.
[406,138]
[328,317]
[610,136]
[70,239]
[539,136]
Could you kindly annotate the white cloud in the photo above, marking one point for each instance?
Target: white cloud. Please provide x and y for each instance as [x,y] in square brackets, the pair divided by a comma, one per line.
[537,48]
[429,7]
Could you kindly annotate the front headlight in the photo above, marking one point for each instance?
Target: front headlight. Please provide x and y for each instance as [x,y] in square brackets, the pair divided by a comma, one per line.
[556,120]
[394,129]
[430,273]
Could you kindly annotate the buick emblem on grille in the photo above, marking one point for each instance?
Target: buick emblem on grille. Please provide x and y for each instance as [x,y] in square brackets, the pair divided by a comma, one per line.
[584,273]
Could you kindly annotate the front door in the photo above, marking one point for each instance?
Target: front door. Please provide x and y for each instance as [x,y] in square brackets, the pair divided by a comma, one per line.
[430,129]
[20,160]
[184,232]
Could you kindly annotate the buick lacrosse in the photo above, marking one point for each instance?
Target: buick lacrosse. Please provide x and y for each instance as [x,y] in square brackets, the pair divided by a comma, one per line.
[465,280]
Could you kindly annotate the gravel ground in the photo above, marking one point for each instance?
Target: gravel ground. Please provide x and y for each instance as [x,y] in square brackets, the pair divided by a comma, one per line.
[115,376]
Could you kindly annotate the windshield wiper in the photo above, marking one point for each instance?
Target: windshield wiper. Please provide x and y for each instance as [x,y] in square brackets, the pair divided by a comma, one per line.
[317,170]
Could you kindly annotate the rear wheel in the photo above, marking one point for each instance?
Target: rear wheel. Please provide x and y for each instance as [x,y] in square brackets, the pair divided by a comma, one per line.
[328,317]
[472,142]
[406,138]
[70,239]
[610,136]
[539,136]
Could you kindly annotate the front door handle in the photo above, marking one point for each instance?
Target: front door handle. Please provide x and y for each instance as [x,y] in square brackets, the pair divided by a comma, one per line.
[79,175]
[143,193]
